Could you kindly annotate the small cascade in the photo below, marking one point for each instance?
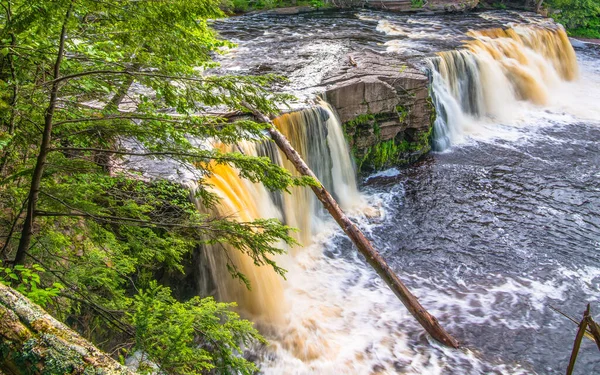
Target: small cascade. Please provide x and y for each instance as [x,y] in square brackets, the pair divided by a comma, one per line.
[496,69]
[317,135]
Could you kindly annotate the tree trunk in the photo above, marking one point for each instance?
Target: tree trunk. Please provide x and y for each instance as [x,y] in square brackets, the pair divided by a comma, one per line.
[15,86]
[538,6]
[428,321]
[105,159]
[36,178]
[33,342]
[578,339]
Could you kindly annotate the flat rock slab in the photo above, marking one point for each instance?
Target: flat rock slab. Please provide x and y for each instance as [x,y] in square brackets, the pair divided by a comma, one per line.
[375,83]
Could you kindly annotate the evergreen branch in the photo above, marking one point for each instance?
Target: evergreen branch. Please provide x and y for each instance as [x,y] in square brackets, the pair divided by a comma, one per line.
[118,117]
[168,118]
[118,219]
[105,313]
[76,212]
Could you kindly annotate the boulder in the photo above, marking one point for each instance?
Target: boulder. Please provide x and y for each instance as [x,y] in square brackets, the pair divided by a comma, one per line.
[424,5]
[383,103]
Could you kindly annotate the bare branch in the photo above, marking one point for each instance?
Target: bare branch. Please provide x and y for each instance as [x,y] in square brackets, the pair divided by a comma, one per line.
[123,72]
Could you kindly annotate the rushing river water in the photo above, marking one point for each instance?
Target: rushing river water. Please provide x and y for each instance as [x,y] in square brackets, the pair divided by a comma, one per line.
[489,234]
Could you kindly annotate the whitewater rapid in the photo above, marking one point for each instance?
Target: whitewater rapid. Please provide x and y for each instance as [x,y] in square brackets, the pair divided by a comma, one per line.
[497,302]
[488,234]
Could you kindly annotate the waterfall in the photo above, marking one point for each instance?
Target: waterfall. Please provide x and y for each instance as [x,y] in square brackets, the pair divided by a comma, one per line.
[496,69]
[245,201]
[316,133]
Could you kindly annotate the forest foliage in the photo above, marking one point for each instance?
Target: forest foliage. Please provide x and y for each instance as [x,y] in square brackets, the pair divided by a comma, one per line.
[580,17]
[96,96]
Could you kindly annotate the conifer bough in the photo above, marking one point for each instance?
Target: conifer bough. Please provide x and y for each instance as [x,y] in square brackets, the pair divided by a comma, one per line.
[375,260]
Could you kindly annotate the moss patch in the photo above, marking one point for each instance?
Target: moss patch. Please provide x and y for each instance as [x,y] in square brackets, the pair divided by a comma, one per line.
[372,153]
[379,156]
[402,113]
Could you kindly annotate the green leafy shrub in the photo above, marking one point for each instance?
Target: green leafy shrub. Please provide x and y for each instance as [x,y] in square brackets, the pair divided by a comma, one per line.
[26,279]
[417,4]
[192,337]
[580,17]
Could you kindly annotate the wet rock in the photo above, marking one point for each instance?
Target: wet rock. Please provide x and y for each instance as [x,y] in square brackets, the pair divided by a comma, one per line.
[424,5]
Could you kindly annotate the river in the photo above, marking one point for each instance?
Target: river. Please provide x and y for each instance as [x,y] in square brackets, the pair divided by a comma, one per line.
[490,232]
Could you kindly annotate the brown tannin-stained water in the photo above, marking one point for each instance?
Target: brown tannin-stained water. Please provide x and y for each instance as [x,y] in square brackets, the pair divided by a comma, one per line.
[489,231]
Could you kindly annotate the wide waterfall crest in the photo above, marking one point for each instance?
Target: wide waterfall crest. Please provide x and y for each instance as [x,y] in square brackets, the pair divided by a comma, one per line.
[496,69]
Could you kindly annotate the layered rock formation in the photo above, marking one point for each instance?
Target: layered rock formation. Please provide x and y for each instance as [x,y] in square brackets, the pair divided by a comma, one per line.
[385,108]
[424,5]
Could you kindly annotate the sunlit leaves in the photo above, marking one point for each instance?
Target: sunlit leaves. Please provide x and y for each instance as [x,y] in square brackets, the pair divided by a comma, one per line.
[27,280]
[579,16]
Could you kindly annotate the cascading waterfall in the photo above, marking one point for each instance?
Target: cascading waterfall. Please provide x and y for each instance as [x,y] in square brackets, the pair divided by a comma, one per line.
[317,135]
[245,201]
[487,279]
[497,68]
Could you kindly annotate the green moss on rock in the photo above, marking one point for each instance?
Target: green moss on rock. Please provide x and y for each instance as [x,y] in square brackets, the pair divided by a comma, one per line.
[372,153]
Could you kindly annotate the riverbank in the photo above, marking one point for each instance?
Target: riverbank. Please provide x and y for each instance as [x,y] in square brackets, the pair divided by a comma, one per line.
[588,40]
[241,7]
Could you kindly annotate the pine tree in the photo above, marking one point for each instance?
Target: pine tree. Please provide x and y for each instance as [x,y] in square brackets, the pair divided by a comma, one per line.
[88,90]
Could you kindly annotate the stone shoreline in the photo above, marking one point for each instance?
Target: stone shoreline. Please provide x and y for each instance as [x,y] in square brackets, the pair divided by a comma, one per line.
[587,40]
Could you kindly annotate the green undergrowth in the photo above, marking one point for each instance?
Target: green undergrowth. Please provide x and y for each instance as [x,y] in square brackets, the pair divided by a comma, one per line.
[416,4]
[586,32]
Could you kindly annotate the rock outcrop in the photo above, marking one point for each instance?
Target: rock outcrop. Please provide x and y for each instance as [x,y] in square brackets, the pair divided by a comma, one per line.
[385,108]
[424,5]
[33,342]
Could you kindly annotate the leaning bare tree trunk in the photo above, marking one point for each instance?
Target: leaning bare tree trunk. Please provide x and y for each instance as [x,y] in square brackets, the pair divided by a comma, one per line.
[538,6]
[33,342]
[428,321]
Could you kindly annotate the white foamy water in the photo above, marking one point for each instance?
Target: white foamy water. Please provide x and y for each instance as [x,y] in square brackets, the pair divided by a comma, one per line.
[485,282]
[504,85]
[344,320]
[570,102]
[411,31]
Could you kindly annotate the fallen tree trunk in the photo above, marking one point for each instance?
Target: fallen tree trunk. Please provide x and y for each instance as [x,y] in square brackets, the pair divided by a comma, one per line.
[33,342]
[428,321]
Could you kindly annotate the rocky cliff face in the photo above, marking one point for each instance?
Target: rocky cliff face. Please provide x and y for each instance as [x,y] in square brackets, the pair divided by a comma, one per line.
[385,108]
[423,5]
